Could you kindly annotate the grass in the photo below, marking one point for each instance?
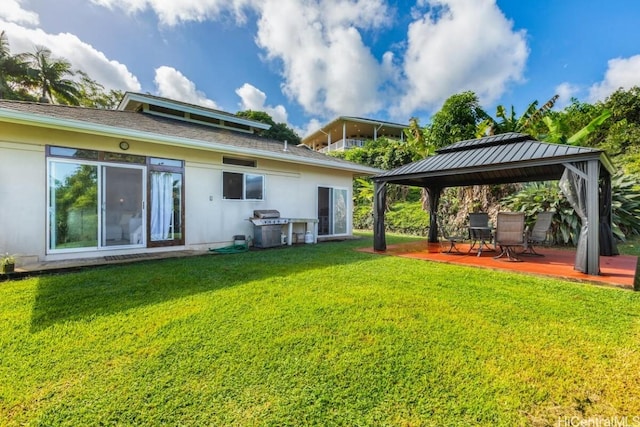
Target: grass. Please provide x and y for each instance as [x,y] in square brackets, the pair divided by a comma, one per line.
[631,246]
[314,335]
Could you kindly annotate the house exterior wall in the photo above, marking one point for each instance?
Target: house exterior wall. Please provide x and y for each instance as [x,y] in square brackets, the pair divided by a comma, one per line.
[210,221]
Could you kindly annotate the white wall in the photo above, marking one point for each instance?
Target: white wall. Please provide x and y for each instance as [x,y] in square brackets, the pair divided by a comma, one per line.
[210,221]
[290,189]
[22,200]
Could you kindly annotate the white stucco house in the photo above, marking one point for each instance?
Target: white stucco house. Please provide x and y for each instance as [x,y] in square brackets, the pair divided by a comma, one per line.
[153,175]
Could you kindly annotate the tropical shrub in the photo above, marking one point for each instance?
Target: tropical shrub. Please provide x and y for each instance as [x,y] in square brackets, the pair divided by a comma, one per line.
[540,196]
[625,205]
[546,196]
[407,218]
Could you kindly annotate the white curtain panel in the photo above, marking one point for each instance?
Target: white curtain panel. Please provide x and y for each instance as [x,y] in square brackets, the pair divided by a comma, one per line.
[161,205]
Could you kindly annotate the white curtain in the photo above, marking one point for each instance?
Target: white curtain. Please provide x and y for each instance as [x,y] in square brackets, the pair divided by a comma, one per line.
[161,205]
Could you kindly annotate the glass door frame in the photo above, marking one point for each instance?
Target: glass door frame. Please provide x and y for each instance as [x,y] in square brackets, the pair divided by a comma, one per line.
[51,208]
[102,188]
[332,209]
[155,164]
[100,202]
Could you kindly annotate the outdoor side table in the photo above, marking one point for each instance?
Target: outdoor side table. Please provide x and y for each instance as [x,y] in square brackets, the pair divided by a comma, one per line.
[480,234]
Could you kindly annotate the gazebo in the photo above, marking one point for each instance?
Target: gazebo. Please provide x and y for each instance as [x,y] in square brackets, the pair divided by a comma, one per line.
[584,174]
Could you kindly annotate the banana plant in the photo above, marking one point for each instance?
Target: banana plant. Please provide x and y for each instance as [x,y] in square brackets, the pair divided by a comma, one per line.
[511,123]
[558,130]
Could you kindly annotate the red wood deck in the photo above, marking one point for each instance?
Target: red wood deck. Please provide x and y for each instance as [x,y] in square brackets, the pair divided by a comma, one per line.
[619,271]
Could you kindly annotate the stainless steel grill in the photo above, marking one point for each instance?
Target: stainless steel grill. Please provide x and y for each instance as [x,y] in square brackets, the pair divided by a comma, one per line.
[267,228]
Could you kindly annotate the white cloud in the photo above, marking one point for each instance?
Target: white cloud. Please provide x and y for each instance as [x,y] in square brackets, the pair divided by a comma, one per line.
[12,11]
[565,92]
[452,46]
[171,83]
[254,99]
[110,73]
[460,45]
[621,73]
[311,126]
[172,12]
[327,68]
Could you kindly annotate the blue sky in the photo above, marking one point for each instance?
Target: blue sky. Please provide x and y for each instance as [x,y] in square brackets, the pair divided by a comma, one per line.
[306,62]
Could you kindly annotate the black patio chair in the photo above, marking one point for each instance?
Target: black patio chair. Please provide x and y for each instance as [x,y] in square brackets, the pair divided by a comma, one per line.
[451,239]
[480,232]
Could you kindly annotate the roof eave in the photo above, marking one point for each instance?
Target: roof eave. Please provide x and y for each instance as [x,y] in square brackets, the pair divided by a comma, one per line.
[19,117]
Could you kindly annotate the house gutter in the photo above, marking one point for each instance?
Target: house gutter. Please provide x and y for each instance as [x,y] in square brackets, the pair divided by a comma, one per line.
[12,116]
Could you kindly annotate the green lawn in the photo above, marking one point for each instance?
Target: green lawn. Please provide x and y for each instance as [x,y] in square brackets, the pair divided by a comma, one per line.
[314,335]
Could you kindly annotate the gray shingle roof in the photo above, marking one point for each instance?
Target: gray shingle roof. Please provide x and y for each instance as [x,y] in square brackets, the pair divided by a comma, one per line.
[504,158]
[167,127]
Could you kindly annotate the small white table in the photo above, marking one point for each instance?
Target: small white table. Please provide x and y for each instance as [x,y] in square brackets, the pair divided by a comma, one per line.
[306,222]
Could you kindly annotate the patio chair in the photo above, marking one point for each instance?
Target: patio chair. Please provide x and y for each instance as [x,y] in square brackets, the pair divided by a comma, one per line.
[538,234]
[452,239]
[510,234]
[479,231]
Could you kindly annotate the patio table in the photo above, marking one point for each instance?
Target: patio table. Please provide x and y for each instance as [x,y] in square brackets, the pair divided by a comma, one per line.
[479,234]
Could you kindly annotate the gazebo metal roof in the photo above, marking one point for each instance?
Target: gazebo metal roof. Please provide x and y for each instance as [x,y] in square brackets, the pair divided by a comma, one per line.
[505,158]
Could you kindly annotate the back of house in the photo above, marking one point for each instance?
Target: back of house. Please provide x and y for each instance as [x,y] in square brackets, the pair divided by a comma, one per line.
[153,175]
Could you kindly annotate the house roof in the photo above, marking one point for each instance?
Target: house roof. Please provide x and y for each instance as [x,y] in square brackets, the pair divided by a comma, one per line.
[497,159]
[168,131]
[355,127]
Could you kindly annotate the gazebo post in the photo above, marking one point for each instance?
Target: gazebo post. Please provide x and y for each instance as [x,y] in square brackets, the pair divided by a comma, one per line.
[593,213]
[434,200]
[379,203]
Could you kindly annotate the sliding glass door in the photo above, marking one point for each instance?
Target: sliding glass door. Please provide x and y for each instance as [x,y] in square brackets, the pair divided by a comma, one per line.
[99,200]
[93,206]
[333,211]
[122,205]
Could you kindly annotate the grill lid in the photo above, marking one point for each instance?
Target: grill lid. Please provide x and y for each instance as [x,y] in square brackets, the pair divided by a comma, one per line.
[266,213]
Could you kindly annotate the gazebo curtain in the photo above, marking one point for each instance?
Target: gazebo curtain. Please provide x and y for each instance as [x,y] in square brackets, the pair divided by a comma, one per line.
[608,246]
[574,187]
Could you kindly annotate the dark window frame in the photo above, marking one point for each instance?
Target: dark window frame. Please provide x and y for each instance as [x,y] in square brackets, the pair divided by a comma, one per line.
[227,177]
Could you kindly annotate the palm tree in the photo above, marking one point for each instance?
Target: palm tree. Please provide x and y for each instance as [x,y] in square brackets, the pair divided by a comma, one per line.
[12,69]
[49,77]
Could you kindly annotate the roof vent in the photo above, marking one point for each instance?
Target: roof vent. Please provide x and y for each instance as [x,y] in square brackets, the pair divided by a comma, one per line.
[286,147]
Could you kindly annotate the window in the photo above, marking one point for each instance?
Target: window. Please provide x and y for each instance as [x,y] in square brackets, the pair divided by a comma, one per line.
[239,162]
[240,186]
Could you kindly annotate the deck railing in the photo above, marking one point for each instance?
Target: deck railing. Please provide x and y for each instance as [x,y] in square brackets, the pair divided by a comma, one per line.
[343,144]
